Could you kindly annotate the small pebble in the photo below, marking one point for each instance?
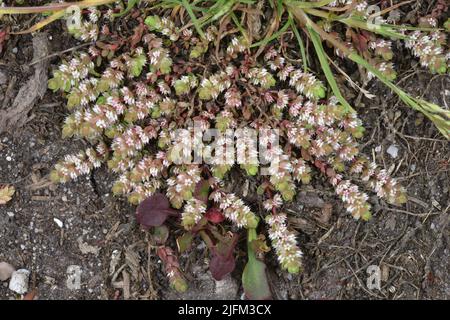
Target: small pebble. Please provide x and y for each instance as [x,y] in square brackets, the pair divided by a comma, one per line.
[19,281]
[73,281]
[392,151]
[58,222]
[6,270]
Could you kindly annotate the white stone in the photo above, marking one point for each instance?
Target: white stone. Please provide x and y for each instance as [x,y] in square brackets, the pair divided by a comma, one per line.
[58,222]
[73,281]
[392,151]
[19,281]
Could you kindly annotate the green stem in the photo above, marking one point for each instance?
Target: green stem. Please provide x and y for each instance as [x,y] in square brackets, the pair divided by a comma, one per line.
[207,239]
[251,236]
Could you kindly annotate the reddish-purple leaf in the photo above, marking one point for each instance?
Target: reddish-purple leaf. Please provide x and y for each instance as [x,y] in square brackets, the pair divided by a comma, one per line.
[222,258]
[221,265]
[214,215]
[154,211]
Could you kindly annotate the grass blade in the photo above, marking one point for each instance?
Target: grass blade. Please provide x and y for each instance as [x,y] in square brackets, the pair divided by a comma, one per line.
[439,116]
[194,19]
[317,42]
[300,43]
[55,16]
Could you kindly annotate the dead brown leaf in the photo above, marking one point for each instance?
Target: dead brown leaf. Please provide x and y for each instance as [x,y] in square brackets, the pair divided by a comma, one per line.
[17,115]
[6,193]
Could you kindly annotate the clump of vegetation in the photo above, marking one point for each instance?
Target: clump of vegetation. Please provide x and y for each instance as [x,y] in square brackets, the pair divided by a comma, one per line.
[145,102]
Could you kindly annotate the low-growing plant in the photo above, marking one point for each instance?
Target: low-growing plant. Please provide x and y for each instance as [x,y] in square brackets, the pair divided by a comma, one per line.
[124,99]
[147,101]
[357,31]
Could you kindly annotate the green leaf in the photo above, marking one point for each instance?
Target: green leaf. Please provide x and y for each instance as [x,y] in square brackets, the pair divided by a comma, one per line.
[184,242]
[181,87]
[53,84]
[137,65]
[160,234]
[73,100]
[310,4]
[201,191]
[153,22]
[130,5]
[254,278]
[447,25]
[165,66]
[439,116]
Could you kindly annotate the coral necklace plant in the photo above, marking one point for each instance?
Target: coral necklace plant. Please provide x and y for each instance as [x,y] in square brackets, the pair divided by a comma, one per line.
[143,106]
[172,112]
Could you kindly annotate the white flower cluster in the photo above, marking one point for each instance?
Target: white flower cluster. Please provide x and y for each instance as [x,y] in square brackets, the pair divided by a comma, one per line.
[382,183]
[234,209]
[233,98]
[354,200]
[211,87]
[77,69]
[237,45]
[273,203]
[284,243]
[428,48]
[79,164]
[87,30]
[336,3]
[261,77]
[132,140]
[192,213]
[141,180]
[182,187]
